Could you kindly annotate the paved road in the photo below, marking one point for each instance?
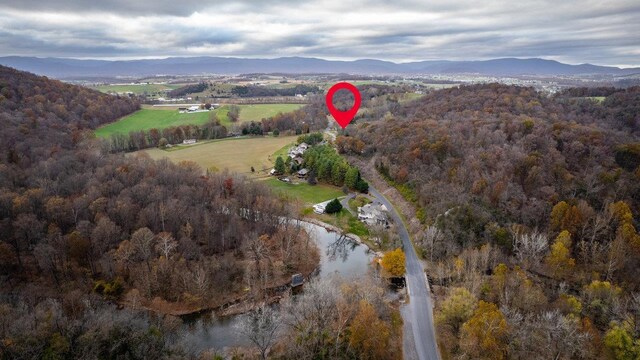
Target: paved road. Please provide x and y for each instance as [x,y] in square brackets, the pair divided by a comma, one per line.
[345,202]
[419,311]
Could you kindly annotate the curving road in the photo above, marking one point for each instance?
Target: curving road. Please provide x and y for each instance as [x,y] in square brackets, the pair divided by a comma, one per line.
[418,313]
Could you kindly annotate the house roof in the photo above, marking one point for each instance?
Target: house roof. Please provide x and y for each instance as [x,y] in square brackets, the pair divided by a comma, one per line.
[373,211]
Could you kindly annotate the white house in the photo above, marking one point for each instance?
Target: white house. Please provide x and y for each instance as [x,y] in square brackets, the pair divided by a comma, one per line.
[299,150]
[188,141]
[373,214]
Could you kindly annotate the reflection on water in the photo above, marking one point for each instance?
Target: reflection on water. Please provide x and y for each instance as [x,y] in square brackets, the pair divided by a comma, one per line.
[340,249]
[209,331]
[339,254]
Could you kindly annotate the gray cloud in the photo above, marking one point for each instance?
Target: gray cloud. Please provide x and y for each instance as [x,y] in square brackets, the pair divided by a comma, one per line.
[405,30]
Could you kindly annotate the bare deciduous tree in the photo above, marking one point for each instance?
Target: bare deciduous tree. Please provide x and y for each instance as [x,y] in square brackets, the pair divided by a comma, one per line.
[529,248]
[432,237]
[261,326]
[166,244]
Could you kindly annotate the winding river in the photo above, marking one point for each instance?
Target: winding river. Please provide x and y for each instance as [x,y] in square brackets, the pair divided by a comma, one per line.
[338,255]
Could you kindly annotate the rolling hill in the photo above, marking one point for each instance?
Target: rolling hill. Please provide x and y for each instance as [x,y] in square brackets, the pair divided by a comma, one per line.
[74,68]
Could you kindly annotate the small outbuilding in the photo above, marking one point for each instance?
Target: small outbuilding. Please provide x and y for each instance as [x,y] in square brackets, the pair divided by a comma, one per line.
[297,280]
[303,173]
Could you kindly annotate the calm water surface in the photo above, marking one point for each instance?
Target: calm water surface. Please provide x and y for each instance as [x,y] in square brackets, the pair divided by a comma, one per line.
[338,255]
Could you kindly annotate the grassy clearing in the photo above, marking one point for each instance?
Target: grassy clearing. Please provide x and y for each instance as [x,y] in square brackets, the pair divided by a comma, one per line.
[305,192]
[255,112]
[345,221]
[137,88]
[163,117]
[146,119]
[410,96]
[439,86]
[234,154]
[283,152]
[259,111]
[358,201]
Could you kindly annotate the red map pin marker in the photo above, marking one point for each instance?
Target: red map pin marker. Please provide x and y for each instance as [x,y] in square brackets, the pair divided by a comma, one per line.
[343,117]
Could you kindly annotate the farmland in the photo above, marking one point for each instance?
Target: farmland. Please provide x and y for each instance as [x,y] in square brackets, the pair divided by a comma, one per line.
[234,154]
[146,119]
[138,89]
[255,112]
[259,111]
[160,118]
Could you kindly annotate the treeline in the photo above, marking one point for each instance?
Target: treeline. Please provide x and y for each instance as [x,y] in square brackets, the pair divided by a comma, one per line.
[527,215]
[80,228]
[143,139]
[311,139]
[262,91]
[619,109]
[378,101]
[188,89]
[588,91]
[330,167]
[311,117]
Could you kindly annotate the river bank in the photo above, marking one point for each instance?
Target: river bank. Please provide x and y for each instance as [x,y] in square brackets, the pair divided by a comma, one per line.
[239,303]
[339,255]
[335,229]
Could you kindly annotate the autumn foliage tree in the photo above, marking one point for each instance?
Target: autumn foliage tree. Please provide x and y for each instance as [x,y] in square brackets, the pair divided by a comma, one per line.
[393,262]
[559,259]
[620,343]
[484,335]
[369,335]
[456,309]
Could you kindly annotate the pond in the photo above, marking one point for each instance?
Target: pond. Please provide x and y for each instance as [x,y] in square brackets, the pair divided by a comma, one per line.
[338,255]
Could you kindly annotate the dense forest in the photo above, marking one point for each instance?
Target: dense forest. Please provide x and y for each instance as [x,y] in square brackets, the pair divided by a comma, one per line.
[527,209]
[83,232]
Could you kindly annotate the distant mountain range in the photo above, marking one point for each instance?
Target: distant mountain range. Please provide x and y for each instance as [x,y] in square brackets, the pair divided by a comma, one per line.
[73,68]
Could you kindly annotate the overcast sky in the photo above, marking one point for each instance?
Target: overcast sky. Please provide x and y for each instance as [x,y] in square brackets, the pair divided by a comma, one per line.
[571,31]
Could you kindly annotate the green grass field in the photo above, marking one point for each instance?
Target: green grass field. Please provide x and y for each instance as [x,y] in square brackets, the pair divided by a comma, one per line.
[146,119]
[259,111]
[305,192]
[234,154]
[160,118]
[255,112]
[284,152]
[345,221]
[137,88]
